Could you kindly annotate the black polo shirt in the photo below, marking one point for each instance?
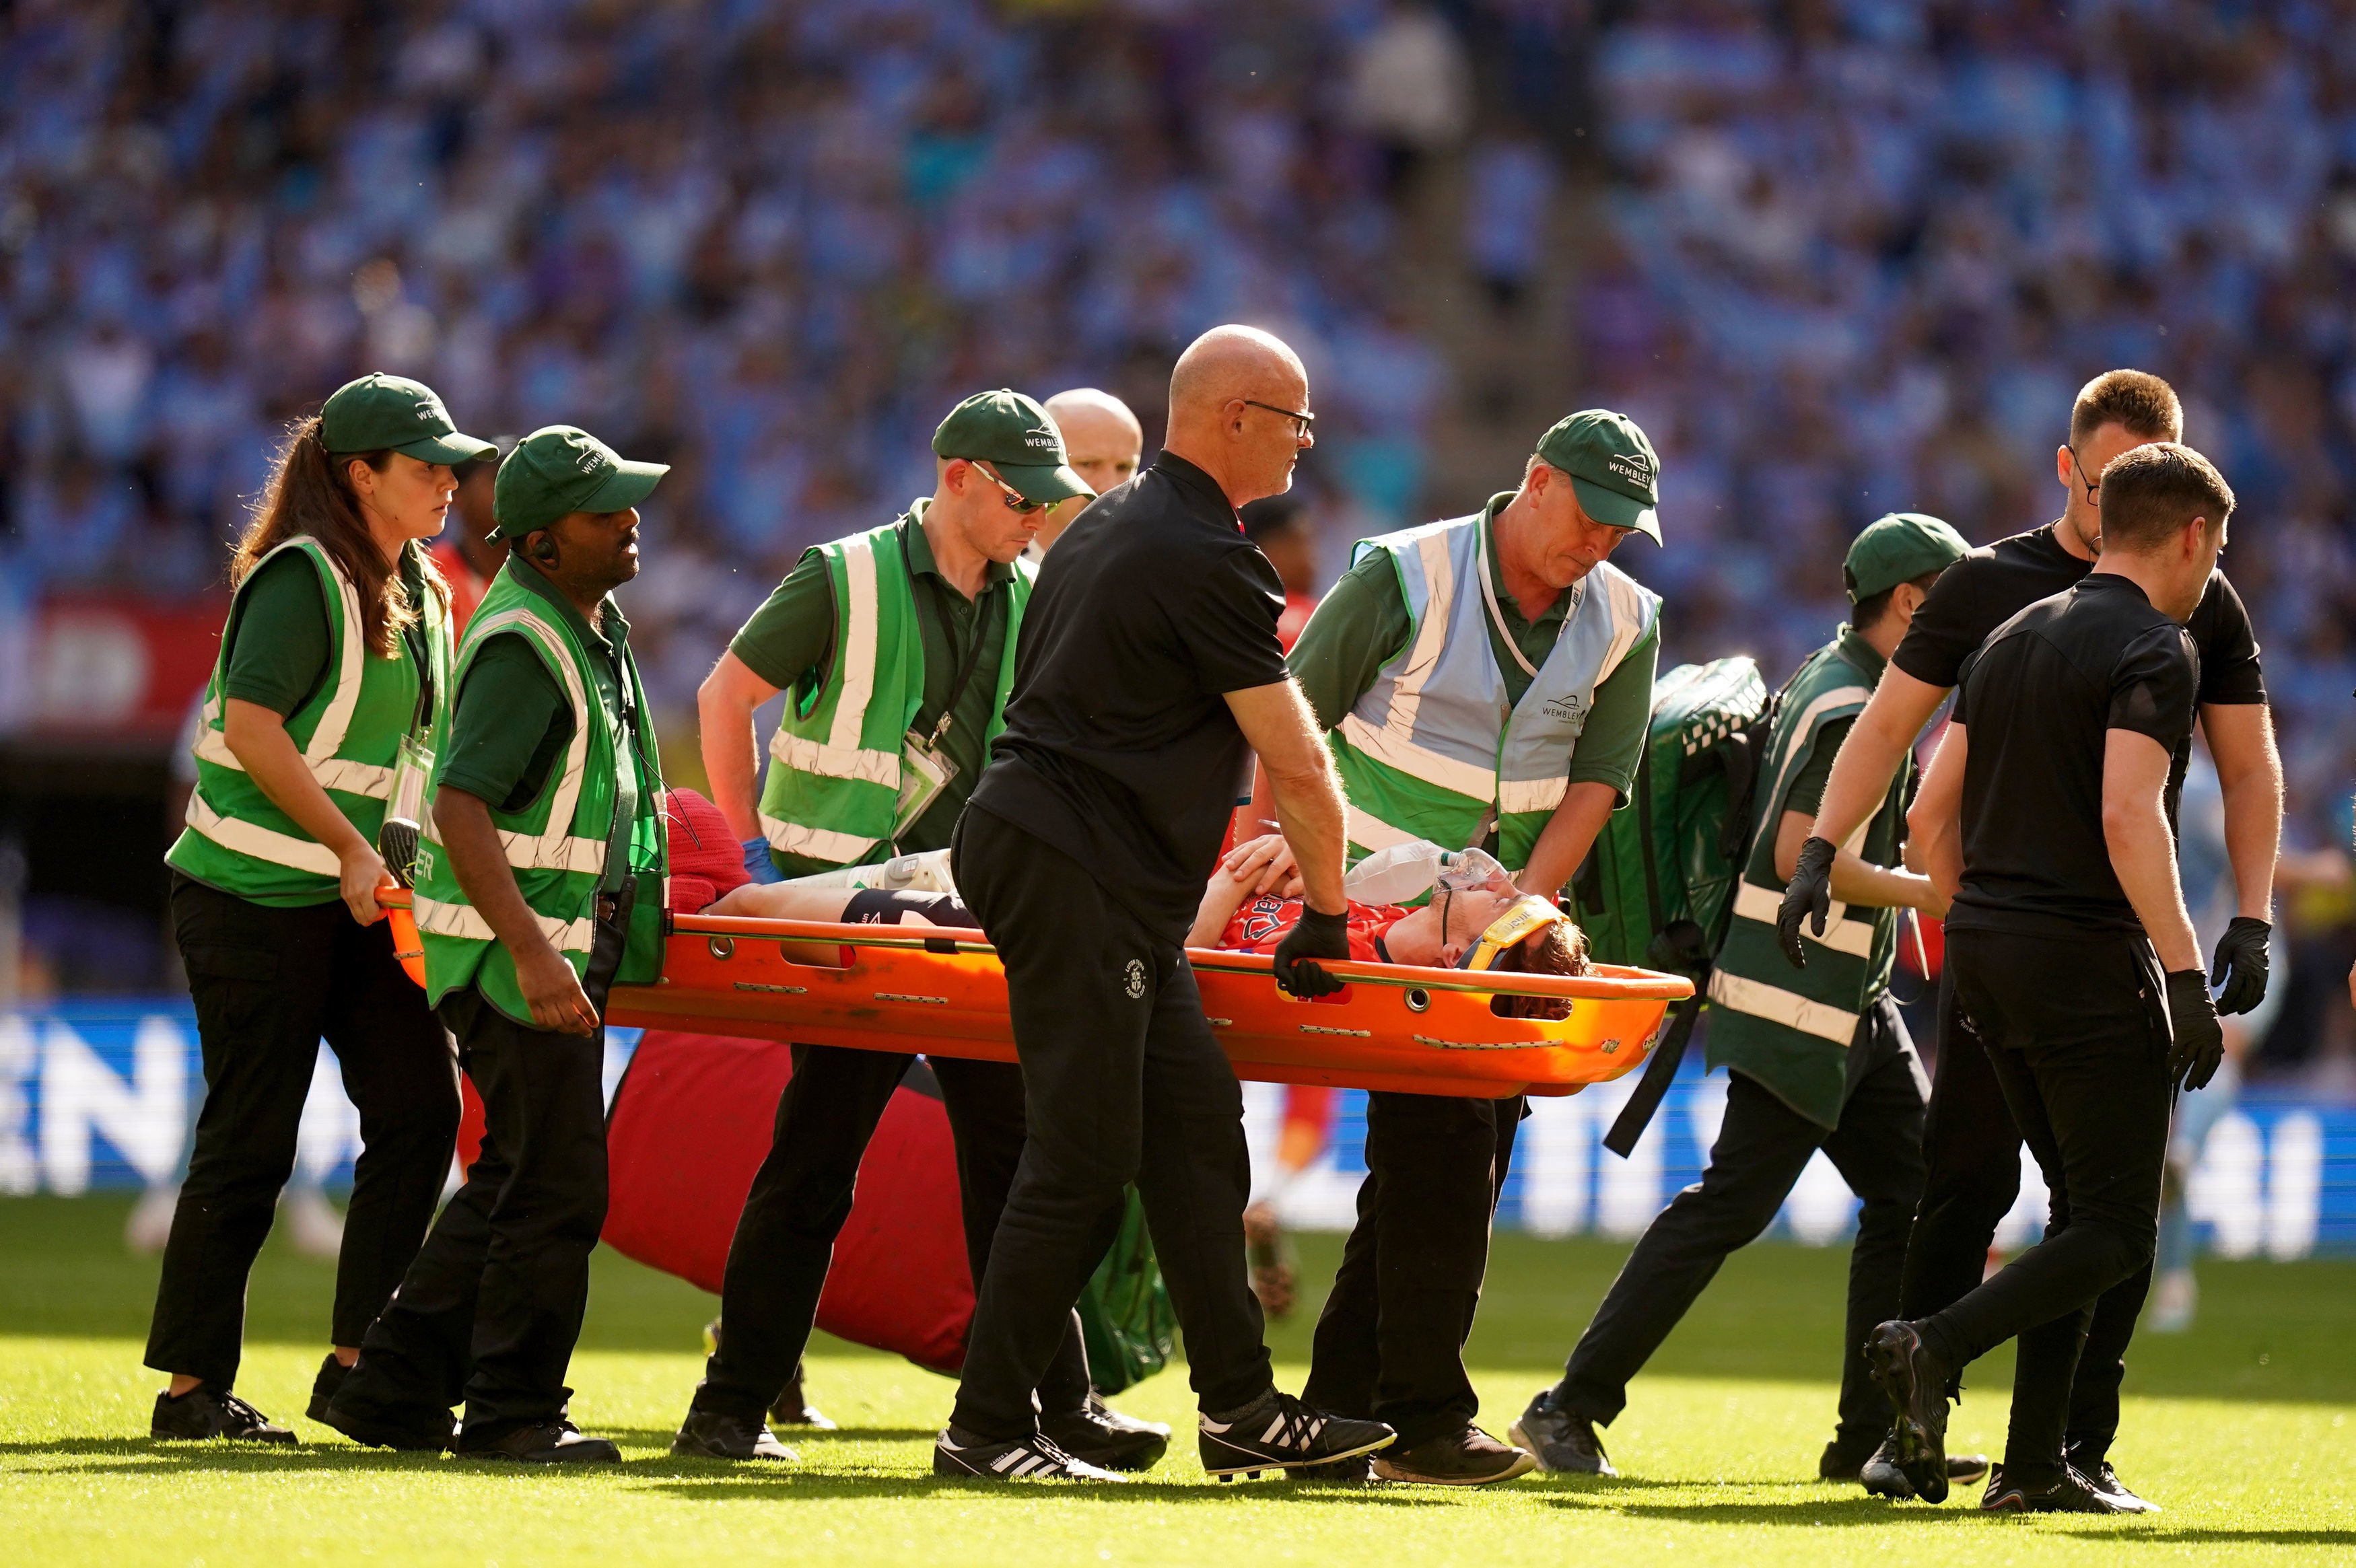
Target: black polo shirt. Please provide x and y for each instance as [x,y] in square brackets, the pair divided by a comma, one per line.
[1995,582]
[2037,703]
[1120,748]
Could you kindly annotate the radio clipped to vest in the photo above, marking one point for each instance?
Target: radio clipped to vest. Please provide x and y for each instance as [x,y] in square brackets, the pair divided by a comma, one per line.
[404,810]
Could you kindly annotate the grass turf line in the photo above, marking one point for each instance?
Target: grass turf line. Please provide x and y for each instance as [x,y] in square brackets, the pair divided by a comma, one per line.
[2240,1428]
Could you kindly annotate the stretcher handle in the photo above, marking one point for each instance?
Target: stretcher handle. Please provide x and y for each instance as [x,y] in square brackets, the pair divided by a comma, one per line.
[1613,983]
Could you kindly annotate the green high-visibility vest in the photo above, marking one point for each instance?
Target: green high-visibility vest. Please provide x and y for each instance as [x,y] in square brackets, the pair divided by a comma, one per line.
[1434,748]
[833,788]
[1790,1029]
[349,732]
[572,840]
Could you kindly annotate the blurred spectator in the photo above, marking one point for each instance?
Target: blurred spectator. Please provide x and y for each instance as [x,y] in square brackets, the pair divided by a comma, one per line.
[1410,87]
[1279,525]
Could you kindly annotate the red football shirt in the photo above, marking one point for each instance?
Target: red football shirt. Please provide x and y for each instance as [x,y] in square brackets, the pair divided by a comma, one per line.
[1262,923]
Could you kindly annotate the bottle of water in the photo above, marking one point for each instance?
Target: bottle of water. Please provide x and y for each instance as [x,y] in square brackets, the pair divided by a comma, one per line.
[1395,875]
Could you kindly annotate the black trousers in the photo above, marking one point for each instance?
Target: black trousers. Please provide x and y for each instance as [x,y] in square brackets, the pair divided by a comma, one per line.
[2076,1035]
[268,985]
[1971,1150]
[1122,1082]
[1390,1343]
[1763,1146]
[784,1243]
[492,1307]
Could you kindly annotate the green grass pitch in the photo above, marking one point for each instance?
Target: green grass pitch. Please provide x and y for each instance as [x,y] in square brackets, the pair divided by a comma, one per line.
[2240,1428]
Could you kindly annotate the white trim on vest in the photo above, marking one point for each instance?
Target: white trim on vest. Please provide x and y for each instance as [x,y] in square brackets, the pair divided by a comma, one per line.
[1358,827]
[807,756]
[465,924]
[816,843]
[1779,1006]
[342,773]
[859,618]
[1842,935]
[262,843]
[1391,746]
[1516,796]
[1839,696]
[1431,630]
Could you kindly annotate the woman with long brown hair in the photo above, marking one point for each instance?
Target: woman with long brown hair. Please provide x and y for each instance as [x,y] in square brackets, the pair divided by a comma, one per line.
[329,689]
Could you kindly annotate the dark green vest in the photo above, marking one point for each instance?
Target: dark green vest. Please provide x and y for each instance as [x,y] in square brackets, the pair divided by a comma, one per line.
[1790,1029]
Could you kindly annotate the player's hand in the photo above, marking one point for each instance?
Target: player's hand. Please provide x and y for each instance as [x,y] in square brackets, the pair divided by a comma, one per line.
[361,873]
[2241,963]
[757,864]
[1809,894]
[1315,937]
[1264,864]
[2199,1041]
[553,992]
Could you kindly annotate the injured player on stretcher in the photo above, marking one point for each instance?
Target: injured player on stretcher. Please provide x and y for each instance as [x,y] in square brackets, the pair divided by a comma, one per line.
[1475,917]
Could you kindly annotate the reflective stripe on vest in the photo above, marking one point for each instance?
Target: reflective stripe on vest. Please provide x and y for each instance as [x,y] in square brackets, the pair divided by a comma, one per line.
[1779,1006]
[556,850]
[840,756]
[466,923]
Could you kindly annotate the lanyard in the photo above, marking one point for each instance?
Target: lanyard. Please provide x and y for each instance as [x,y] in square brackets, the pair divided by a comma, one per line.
[1498,616]
[413,638]
[971,662]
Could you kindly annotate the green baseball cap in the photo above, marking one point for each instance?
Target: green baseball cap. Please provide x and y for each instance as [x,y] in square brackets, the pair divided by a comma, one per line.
[1899,549]
[1613,469]
[379,412]
[559,470]
[1014,436]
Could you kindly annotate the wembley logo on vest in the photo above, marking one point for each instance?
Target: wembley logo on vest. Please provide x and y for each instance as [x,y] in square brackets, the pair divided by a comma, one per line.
[1570,709]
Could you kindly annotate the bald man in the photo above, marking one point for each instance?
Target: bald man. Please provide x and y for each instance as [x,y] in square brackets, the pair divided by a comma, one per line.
[1104,441]
[1147,674]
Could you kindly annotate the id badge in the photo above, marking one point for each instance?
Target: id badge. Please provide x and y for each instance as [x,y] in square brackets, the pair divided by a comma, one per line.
[923,774]
[404,808]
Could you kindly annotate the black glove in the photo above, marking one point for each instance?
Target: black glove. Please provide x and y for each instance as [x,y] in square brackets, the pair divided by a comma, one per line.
[1811,893]
[2200,1044]
[1316,937]
[2240,964]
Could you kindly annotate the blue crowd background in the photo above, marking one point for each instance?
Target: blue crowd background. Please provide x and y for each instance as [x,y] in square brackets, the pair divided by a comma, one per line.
[1837,256]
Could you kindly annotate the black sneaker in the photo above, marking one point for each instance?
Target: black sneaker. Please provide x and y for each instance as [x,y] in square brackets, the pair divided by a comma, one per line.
[1561,1441]
[1467,1458]
[1027,1458]
[1917,1386]
[1277,1432]
[710,1434]
[1883,1478]
[1098,1434]
[555,1441]
[205,1411]
[2071,1493]
[1355,1471]
[324,1388]
[410,1429]
[2106,1483]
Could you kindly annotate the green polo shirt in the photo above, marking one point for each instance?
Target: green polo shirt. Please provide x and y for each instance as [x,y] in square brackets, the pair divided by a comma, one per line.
[790,642]
[511,719]
[1364,623]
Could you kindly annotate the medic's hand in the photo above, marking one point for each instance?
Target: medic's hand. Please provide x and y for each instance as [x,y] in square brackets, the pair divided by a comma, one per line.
[362,872]
[2240,964]
[1810,893]
[757,864]
[1316,937]
[2199,1042]
[553,991]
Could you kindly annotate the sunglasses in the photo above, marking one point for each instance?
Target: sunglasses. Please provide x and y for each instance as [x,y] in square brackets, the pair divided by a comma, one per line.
[1014,499]
[1301,422]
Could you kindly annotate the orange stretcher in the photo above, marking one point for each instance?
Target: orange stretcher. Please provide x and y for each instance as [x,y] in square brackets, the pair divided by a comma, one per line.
[939,993]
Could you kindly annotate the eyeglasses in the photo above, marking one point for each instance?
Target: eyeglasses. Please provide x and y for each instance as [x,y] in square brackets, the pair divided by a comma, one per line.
[1301,422]
[1016,501]
[2095,486]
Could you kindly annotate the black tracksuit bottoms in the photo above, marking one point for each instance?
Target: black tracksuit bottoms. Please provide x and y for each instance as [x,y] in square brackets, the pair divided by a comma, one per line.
[1122,1082]
[1763,1146]
[2076,1034]
[491,1308]
[268,984]
[1971,1152]
[784,1243]
[1390,1343]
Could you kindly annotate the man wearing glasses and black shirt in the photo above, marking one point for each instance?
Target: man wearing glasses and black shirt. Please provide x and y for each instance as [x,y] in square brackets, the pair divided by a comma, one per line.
[1971,1143]
[2050,813]
[898,647]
